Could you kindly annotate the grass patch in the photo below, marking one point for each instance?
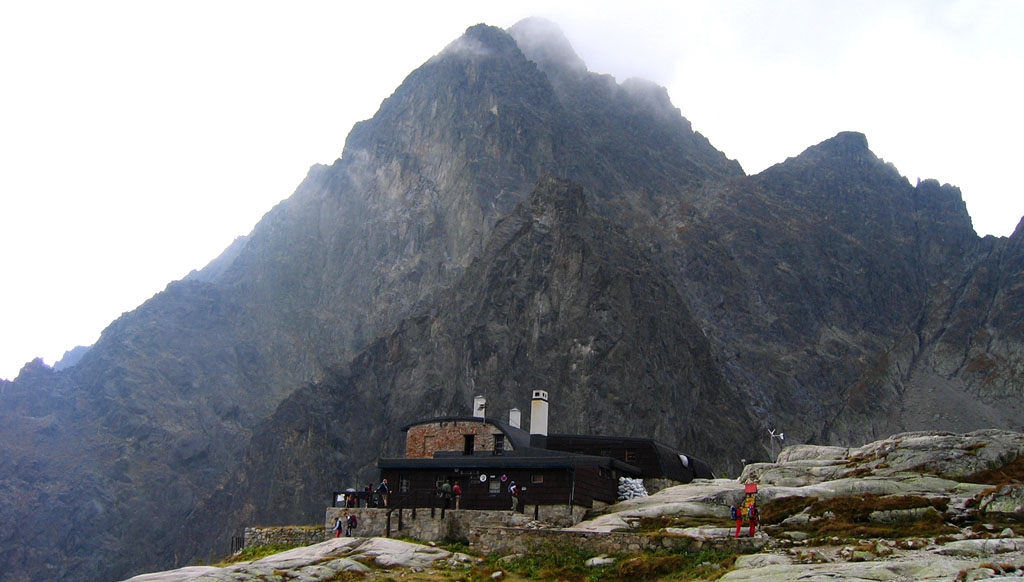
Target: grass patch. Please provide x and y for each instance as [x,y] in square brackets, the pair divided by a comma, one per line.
[999,569]
[666,565]
[257,552]
[456,546]
[849,517]
[564,562]
[553,561]
[1011,473]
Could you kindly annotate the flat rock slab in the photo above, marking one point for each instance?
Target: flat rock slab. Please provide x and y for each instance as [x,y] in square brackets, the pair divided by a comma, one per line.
[921,569]
[312,562]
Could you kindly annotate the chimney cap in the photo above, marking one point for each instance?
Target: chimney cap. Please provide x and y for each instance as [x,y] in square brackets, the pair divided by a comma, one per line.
[540,395]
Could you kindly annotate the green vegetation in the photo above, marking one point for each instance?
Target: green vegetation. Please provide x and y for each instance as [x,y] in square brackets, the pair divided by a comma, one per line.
[848,517]
[1009,474]
[257,552]
[565,562]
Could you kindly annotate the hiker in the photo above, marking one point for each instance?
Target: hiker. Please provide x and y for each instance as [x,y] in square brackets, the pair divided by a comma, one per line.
[747,511]
[351,523]
[446,493]
[337,527]
[383,491]
[457,490]
[513,489]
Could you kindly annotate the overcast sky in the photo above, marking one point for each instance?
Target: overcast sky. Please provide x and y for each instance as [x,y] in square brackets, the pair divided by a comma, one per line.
[139,138]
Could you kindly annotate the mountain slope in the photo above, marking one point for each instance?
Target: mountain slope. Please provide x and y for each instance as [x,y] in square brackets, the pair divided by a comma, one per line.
[560,300]
[826,296]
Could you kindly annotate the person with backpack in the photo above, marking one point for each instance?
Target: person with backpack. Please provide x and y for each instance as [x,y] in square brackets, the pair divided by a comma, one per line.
[383,491]
[351,523]
[747,511]
[457,490]
[513,490]
[446,493]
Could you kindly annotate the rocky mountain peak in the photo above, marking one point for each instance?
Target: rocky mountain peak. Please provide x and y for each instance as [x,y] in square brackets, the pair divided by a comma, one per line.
[480,40]
[544,43]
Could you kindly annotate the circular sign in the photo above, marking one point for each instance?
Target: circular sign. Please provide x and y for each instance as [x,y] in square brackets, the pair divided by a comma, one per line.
[483,478]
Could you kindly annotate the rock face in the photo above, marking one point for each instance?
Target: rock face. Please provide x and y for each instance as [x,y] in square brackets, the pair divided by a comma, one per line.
[940,466]
[323,561]
[510,220]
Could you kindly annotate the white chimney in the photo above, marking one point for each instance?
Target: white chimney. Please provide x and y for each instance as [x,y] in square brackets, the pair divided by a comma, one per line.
[539,419]
[515,418]
[479,407]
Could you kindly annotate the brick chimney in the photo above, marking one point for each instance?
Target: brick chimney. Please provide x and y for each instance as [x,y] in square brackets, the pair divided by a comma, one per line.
[539,419]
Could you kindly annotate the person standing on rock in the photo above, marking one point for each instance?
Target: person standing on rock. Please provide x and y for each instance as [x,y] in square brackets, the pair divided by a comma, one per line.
[748,510]
[351,522]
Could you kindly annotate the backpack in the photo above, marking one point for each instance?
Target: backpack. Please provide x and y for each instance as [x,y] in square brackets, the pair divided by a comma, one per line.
[734,513]
[353,522]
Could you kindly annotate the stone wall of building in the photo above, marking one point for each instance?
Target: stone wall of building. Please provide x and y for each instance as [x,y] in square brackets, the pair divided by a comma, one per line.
[500,532]
[424,524]
[423,440]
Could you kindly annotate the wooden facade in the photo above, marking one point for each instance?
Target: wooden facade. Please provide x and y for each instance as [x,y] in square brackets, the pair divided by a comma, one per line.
[485,455]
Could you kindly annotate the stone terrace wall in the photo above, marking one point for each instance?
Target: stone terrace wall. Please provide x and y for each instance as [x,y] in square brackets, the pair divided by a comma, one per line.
[506,540]
[500,532]
[295,535]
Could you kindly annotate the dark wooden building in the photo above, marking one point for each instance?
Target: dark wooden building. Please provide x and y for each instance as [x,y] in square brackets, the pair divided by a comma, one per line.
[485,455]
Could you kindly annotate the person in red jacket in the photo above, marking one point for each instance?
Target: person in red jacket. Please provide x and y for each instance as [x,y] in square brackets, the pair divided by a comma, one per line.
[748,510]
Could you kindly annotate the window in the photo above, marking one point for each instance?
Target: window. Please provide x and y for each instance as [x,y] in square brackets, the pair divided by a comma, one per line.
[494,487]
[467,446]
[403,484]
[499,444]
[537,479]
[630,455]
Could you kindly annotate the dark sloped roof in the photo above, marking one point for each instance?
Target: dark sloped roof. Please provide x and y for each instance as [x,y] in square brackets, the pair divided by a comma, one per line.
[523,455]
[670,460]
[540,461]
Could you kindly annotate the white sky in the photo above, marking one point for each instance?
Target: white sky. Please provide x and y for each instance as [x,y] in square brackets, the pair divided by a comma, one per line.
[139,138]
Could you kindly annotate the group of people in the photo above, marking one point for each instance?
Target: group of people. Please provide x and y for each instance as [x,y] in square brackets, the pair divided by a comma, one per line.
[448,492]
[346,522]
[748,511]
[372,497]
